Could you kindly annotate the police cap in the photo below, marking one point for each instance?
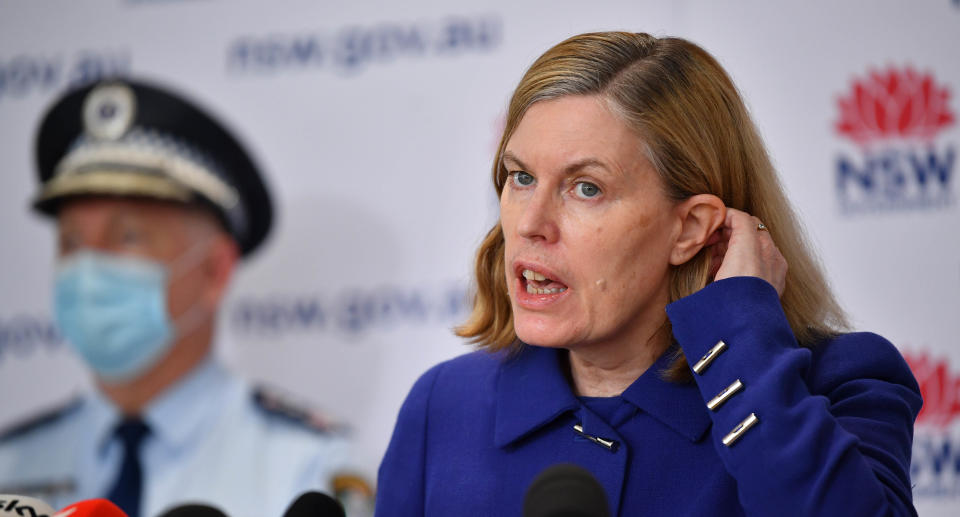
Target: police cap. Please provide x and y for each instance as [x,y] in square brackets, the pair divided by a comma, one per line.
[122,137]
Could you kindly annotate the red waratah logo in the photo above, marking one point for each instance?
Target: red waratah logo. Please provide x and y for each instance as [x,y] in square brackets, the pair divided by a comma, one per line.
[894,104]
[938,386]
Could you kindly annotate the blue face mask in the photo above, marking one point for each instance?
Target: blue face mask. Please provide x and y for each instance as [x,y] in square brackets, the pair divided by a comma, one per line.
[113,309]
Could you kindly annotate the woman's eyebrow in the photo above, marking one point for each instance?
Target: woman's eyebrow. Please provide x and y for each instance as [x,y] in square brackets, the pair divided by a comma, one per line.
[579,165]
[509,156]
[573,168]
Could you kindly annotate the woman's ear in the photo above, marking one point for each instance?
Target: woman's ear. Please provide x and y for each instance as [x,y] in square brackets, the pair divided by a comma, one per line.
[700,216]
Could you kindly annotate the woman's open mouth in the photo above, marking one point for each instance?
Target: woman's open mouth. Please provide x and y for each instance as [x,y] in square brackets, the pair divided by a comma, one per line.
[537,283]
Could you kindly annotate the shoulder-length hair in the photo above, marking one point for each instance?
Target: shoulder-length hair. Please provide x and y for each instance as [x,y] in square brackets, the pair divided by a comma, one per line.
[697,134]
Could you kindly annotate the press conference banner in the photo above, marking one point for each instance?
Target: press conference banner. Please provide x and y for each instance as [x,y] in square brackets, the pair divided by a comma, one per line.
[376,124]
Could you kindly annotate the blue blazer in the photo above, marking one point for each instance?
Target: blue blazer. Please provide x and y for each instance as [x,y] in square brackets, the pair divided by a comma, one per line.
[833,431]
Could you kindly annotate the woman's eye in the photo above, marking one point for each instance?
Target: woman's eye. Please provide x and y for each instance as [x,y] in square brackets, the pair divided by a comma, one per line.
[522,179]
[586,190]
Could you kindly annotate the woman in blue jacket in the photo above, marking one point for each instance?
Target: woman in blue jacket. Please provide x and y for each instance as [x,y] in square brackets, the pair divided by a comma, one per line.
[642,224]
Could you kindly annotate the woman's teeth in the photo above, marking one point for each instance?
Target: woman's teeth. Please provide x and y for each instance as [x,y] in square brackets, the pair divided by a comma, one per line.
[535,277]
[533,290]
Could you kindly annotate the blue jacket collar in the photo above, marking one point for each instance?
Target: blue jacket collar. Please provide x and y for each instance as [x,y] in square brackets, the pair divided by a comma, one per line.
[533,391]
[678,405]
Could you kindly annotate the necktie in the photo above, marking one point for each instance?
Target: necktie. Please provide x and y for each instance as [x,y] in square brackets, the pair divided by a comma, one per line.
[128,488]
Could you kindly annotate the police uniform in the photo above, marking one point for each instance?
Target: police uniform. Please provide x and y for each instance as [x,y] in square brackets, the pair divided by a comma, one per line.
[209,438]
[214,439]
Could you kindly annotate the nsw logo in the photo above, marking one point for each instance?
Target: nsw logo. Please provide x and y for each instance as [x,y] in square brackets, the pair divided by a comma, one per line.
[935,469]
[939,387]
[900,160]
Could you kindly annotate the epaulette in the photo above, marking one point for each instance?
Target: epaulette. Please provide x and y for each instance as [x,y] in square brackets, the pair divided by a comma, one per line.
[40,420]
[279,405]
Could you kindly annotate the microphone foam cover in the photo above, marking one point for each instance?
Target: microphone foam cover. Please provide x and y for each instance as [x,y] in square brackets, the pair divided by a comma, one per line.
[12,505]
[193,510]
[91,508]
[315,504]
[565,490]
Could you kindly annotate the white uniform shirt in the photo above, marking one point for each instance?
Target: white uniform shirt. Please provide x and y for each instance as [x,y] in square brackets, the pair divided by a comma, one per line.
[212,441]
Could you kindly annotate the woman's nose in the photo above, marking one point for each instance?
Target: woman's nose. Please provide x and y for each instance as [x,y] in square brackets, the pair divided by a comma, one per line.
[538,220]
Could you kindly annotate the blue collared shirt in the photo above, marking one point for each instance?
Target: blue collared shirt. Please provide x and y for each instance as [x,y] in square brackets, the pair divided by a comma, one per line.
[210,442]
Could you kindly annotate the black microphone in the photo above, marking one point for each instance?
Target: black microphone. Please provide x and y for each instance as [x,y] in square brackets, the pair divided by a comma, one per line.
[565,490]
[315,504]
[193,510]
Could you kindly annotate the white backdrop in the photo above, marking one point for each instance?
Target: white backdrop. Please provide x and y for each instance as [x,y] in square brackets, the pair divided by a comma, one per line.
[376,123]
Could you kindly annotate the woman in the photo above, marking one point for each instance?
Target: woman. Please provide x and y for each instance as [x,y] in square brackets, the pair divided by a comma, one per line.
[642,223]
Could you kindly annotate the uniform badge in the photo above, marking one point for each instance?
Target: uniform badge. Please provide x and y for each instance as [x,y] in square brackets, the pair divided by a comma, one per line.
[108,111]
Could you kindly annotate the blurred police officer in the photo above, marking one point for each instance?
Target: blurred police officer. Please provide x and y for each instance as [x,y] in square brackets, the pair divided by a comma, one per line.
[155,204]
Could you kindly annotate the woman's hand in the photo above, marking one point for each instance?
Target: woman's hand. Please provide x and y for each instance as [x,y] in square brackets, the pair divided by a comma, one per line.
[739,248]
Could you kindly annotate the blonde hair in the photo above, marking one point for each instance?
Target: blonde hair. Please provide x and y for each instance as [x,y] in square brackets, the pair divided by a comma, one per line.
[700,139]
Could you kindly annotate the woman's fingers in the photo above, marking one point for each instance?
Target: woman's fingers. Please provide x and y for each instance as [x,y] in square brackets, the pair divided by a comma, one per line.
[747,251]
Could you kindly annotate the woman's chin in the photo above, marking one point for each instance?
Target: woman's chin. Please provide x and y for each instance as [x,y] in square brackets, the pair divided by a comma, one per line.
[548,338]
